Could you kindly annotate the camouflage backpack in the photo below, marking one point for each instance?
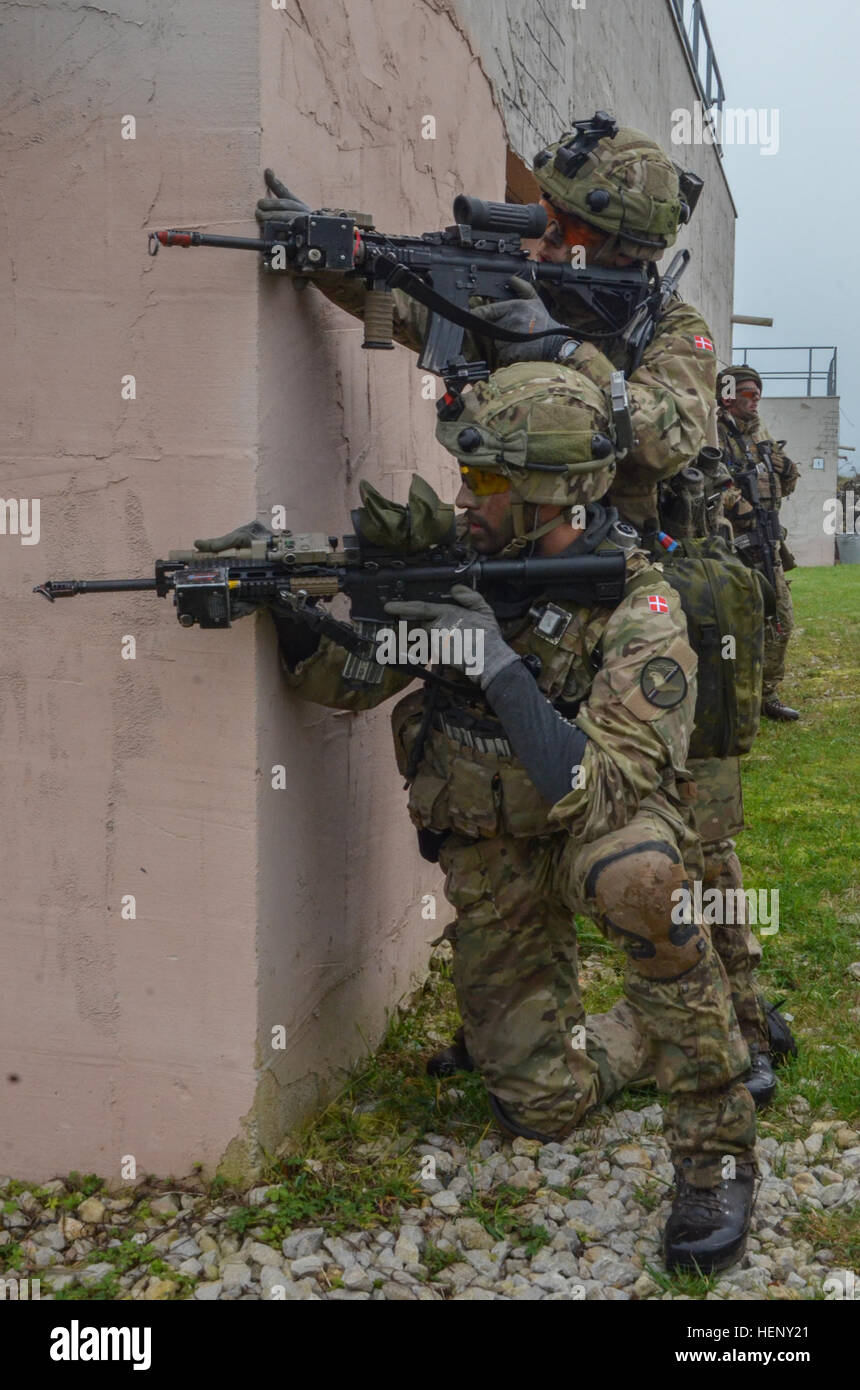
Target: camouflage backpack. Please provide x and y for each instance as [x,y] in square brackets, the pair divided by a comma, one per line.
[721,599]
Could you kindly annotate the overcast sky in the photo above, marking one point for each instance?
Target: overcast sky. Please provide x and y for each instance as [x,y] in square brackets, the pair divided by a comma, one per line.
[798,229]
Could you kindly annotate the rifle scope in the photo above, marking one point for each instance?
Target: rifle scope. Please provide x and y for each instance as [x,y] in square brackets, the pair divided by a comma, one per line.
[517,219]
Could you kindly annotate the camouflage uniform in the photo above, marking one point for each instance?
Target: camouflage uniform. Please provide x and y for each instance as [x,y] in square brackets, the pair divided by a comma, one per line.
[671,392]
[671,396]
[739,440]
[615,848]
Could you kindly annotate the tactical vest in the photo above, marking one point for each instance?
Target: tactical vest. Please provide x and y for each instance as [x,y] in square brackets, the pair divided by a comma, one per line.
[468,778]
[742,451]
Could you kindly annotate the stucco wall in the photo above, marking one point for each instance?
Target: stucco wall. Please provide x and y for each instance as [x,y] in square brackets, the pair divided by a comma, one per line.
[124,777]
[151,777]
[810,426]
[552,63]
[341,883]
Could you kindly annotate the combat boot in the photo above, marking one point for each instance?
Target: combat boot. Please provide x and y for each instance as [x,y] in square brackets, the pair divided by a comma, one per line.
[760,1080]
[708,1226]
[781,1040]
[451,1059]
[773,708]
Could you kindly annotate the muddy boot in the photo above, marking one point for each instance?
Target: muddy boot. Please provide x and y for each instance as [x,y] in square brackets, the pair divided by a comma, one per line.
[708,1226]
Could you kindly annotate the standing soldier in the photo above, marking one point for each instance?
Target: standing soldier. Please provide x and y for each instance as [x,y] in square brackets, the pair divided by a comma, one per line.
[763,475]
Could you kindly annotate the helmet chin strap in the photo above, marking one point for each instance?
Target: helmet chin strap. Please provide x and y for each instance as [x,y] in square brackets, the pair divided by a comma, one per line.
[523,533]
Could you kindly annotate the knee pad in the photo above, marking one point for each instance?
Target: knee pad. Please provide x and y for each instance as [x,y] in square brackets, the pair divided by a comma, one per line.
[633,891]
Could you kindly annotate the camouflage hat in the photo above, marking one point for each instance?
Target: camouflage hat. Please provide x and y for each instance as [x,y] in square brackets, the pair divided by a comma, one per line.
[625,185]
[543,426]
[736,374]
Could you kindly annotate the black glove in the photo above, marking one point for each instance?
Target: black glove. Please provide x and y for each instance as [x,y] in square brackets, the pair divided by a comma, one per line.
[284,206]
[525,314]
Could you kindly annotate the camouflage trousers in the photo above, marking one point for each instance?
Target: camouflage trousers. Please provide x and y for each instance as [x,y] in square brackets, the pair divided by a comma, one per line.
[718,814]
[515,973]
[776,642]
[738,948]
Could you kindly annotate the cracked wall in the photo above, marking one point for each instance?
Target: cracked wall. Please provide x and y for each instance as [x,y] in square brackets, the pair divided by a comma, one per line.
[125,777]
[151,1037]
[341,883]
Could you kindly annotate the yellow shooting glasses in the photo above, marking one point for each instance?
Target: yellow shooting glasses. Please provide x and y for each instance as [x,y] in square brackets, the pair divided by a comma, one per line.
[483,482]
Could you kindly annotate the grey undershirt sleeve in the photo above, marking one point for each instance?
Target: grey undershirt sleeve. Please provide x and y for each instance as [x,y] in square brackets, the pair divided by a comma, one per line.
[548,745]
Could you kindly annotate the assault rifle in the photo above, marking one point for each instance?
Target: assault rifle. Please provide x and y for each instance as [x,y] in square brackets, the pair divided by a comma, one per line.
[296,572]
[442,270]
[767,532]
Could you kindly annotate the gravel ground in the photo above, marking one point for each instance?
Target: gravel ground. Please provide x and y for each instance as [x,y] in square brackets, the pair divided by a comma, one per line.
[598,1243]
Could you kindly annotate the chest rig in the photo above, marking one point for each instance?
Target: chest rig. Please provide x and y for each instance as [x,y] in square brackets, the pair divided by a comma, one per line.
[745,451]
[460,768]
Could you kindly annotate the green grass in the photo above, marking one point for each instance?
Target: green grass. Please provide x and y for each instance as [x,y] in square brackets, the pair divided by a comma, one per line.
[684,1282]
[436,1260]
[838,1231]
[800,794]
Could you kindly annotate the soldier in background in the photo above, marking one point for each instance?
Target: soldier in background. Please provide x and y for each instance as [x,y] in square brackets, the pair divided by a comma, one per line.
[748,445]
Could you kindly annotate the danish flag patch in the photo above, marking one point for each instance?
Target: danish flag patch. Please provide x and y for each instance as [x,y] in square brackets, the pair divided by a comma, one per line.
[657,604]
[705,343]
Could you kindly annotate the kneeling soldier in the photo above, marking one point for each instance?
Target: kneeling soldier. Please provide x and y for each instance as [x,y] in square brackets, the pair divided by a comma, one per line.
[551,783]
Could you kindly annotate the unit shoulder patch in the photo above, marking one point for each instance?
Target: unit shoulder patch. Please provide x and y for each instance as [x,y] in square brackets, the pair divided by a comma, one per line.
[663,682]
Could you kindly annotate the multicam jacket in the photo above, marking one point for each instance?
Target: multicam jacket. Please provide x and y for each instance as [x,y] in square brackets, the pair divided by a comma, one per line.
[627,674]
[740,441]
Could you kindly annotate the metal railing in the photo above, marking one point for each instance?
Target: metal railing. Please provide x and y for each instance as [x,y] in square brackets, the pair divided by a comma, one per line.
[697,40]
[809,373]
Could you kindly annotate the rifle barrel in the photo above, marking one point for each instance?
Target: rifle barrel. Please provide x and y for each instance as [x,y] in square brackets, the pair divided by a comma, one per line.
[177,238]
[67,588]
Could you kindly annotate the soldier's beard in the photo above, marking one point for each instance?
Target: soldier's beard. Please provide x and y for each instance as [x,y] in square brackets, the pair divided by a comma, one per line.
[488,539]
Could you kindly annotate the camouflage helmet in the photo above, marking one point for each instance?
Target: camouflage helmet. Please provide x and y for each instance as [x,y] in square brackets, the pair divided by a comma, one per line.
[623,183]
[736,374]
[543,426]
